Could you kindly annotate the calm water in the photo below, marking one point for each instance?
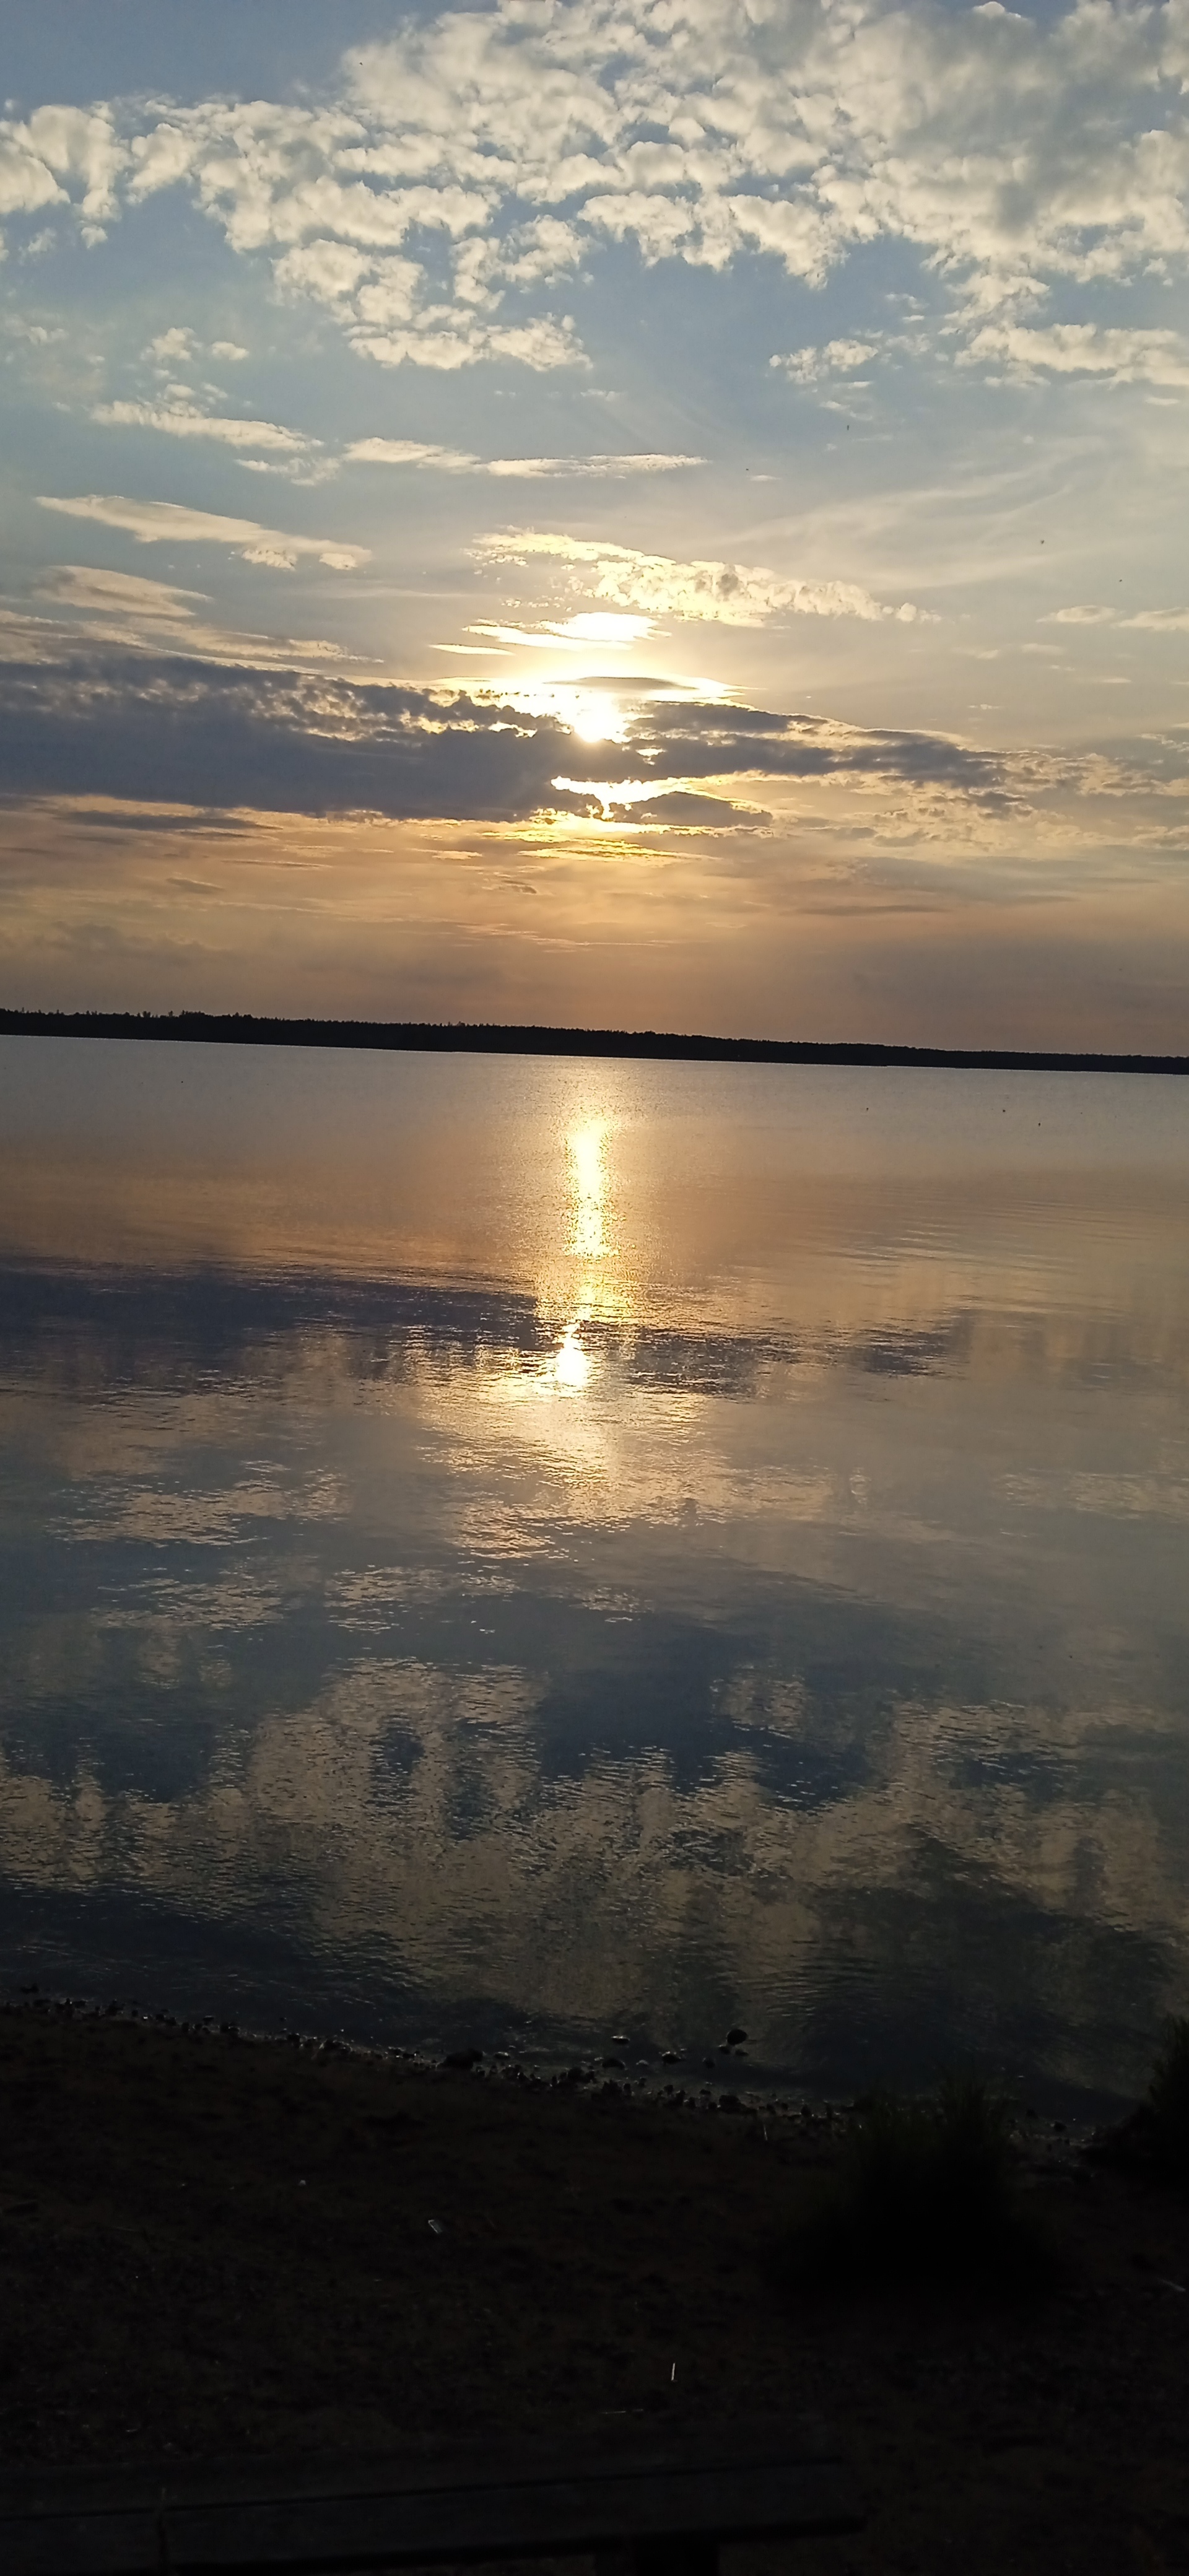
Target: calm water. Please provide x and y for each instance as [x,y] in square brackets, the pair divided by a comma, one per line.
[515,1552]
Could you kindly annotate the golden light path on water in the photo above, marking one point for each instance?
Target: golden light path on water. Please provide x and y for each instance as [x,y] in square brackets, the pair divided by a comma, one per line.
[495,1548]
[589,1244]
[590,1281]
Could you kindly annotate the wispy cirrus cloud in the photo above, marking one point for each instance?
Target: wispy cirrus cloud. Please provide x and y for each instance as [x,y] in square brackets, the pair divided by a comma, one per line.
[659,586]
[84,606]
[588,469]
[1160,621]
[453,460]
[412,452]
[185,420]
[1153,621]
[161,522]
[574,634]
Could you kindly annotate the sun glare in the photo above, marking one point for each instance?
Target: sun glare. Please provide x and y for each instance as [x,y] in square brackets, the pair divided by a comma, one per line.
[597,719]
[571,1367]
[588,1190]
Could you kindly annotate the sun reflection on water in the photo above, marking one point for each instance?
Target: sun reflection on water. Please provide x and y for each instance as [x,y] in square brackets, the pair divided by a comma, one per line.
[590,1287]
[571,1364]
[586,1282]
[588,1194]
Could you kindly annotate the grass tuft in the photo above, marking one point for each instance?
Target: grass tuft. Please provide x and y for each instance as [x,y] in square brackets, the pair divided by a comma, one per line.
[926,2191]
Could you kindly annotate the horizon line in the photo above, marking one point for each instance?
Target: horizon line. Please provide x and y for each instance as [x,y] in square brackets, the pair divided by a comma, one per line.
[490,1037]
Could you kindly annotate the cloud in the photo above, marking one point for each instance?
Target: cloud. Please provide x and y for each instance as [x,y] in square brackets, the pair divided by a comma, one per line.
[161,726]
[674,809]
[183,420]
[27,184]
[1155,621]
[453,460]
[60,145]
[994,142]
[123,594]
[1123,357]
[657,586]
[691,739]
[575,634]
[38,335]
[172,348]
[596,469]
[458,340]
[128,610]
[837,358]
[470,158]
[170,522]
[410,451]
[154,729]
[82,145]
[1161,621]
[179,346]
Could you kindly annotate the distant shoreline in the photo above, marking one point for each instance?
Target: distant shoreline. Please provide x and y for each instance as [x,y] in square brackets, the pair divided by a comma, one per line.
[414,1037]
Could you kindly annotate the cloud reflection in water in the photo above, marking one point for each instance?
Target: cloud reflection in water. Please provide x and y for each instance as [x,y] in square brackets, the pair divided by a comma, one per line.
[503,1549]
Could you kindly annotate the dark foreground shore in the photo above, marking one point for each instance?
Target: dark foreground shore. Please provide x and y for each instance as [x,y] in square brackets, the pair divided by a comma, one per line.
[212,2247]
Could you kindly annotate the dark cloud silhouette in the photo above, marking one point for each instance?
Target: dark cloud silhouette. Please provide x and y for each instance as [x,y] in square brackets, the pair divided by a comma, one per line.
[717,742]
[682,810]
[174,730]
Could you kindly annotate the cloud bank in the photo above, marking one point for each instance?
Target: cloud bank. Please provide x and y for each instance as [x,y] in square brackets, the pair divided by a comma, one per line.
[162,724]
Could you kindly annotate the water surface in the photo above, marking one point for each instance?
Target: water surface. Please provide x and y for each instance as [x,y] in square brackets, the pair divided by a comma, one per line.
[520,1551]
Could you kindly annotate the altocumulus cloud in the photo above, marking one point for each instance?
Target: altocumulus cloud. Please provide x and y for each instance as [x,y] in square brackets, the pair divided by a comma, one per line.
[461,171]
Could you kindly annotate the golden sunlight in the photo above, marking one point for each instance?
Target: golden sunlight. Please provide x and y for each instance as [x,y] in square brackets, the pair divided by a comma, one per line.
[588,1194]
[571,1366]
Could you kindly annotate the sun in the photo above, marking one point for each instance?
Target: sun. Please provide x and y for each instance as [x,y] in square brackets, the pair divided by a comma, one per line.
[596,719]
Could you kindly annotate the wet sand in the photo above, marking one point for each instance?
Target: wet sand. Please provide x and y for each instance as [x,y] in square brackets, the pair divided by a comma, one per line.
[212,2247]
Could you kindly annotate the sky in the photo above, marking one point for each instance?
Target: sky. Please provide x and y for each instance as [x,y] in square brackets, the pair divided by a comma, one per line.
[627,513]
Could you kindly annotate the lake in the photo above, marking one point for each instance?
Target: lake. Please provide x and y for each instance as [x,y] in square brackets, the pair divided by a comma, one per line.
[569,1556]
